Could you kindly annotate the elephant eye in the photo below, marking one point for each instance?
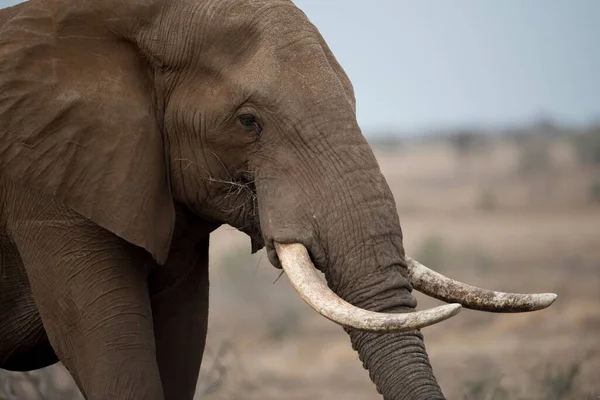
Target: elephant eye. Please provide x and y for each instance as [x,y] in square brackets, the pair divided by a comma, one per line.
[250,123]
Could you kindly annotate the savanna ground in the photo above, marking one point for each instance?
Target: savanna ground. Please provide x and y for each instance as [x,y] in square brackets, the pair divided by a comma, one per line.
[514,212]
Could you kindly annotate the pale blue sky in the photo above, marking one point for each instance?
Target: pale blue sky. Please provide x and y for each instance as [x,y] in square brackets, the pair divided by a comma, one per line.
[439,63]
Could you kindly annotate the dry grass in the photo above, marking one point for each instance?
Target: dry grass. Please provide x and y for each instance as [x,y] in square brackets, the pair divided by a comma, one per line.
[499,216]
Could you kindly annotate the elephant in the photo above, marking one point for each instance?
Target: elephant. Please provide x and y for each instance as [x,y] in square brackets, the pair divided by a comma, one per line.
[131,130]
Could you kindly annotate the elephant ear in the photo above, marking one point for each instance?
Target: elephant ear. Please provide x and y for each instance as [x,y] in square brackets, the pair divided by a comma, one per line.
[78,121]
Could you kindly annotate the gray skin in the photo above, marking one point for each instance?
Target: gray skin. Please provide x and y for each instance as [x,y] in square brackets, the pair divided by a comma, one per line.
[127,136]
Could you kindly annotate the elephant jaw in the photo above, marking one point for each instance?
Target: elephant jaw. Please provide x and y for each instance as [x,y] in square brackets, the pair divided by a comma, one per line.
[296,262]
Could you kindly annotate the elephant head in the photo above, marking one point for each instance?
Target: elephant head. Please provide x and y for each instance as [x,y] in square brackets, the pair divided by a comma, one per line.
[238,111]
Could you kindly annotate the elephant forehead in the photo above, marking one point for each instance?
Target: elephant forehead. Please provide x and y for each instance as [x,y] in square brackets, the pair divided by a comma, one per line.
[236,28]
[267,48]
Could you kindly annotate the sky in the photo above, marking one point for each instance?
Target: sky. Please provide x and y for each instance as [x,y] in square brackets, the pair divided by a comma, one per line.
[435,64]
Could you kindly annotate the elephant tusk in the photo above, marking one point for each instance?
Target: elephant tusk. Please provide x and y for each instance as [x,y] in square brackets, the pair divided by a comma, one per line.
[304,278]
[446,289]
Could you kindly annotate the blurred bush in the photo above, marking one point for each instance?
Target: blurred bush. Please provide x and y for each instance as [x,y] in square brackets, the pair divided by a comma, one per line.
[534,157]
[432,252]
[52,383]
[553,383]
[587,145]
[487,201]
[595,192]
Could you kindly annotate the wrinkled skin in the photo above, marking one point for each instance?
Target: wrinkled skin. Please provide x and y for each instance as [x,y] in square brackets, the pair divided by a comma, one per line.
[125,140]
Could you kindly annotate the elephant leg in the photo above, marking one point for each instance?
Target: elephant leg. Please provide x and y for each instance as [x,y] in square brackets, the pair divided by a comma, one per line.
[179,294]
[91,291]
[24,345]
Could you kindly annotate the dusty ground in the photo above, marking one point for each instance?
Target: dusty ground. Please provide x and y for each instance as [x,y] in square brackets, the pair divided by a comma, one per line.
[490,217]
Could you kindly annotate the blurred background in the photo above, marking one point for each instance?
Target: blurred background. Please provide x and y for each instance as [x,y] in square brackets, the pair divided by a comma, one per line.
[485,118]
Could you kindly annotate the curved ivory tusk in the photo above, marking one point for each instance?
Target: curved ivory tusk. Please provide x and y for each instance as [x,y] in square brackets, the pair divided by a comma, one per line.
[304,278]
[446,289]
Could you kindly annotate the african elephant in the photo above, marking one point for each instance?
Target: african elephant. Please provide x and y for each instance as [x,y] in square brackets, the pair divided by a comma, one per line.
[130,130]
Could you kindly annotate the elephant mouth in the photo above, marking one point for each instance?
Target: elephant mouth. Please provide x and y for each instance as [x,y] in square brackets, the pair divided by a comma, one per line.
[242,189]
[297,264]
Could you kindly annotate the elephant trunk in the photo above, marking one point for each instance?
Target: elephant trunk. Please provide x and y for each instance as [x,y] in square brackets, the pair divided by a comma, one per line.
[367,268]
[369,272]
[345,216]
